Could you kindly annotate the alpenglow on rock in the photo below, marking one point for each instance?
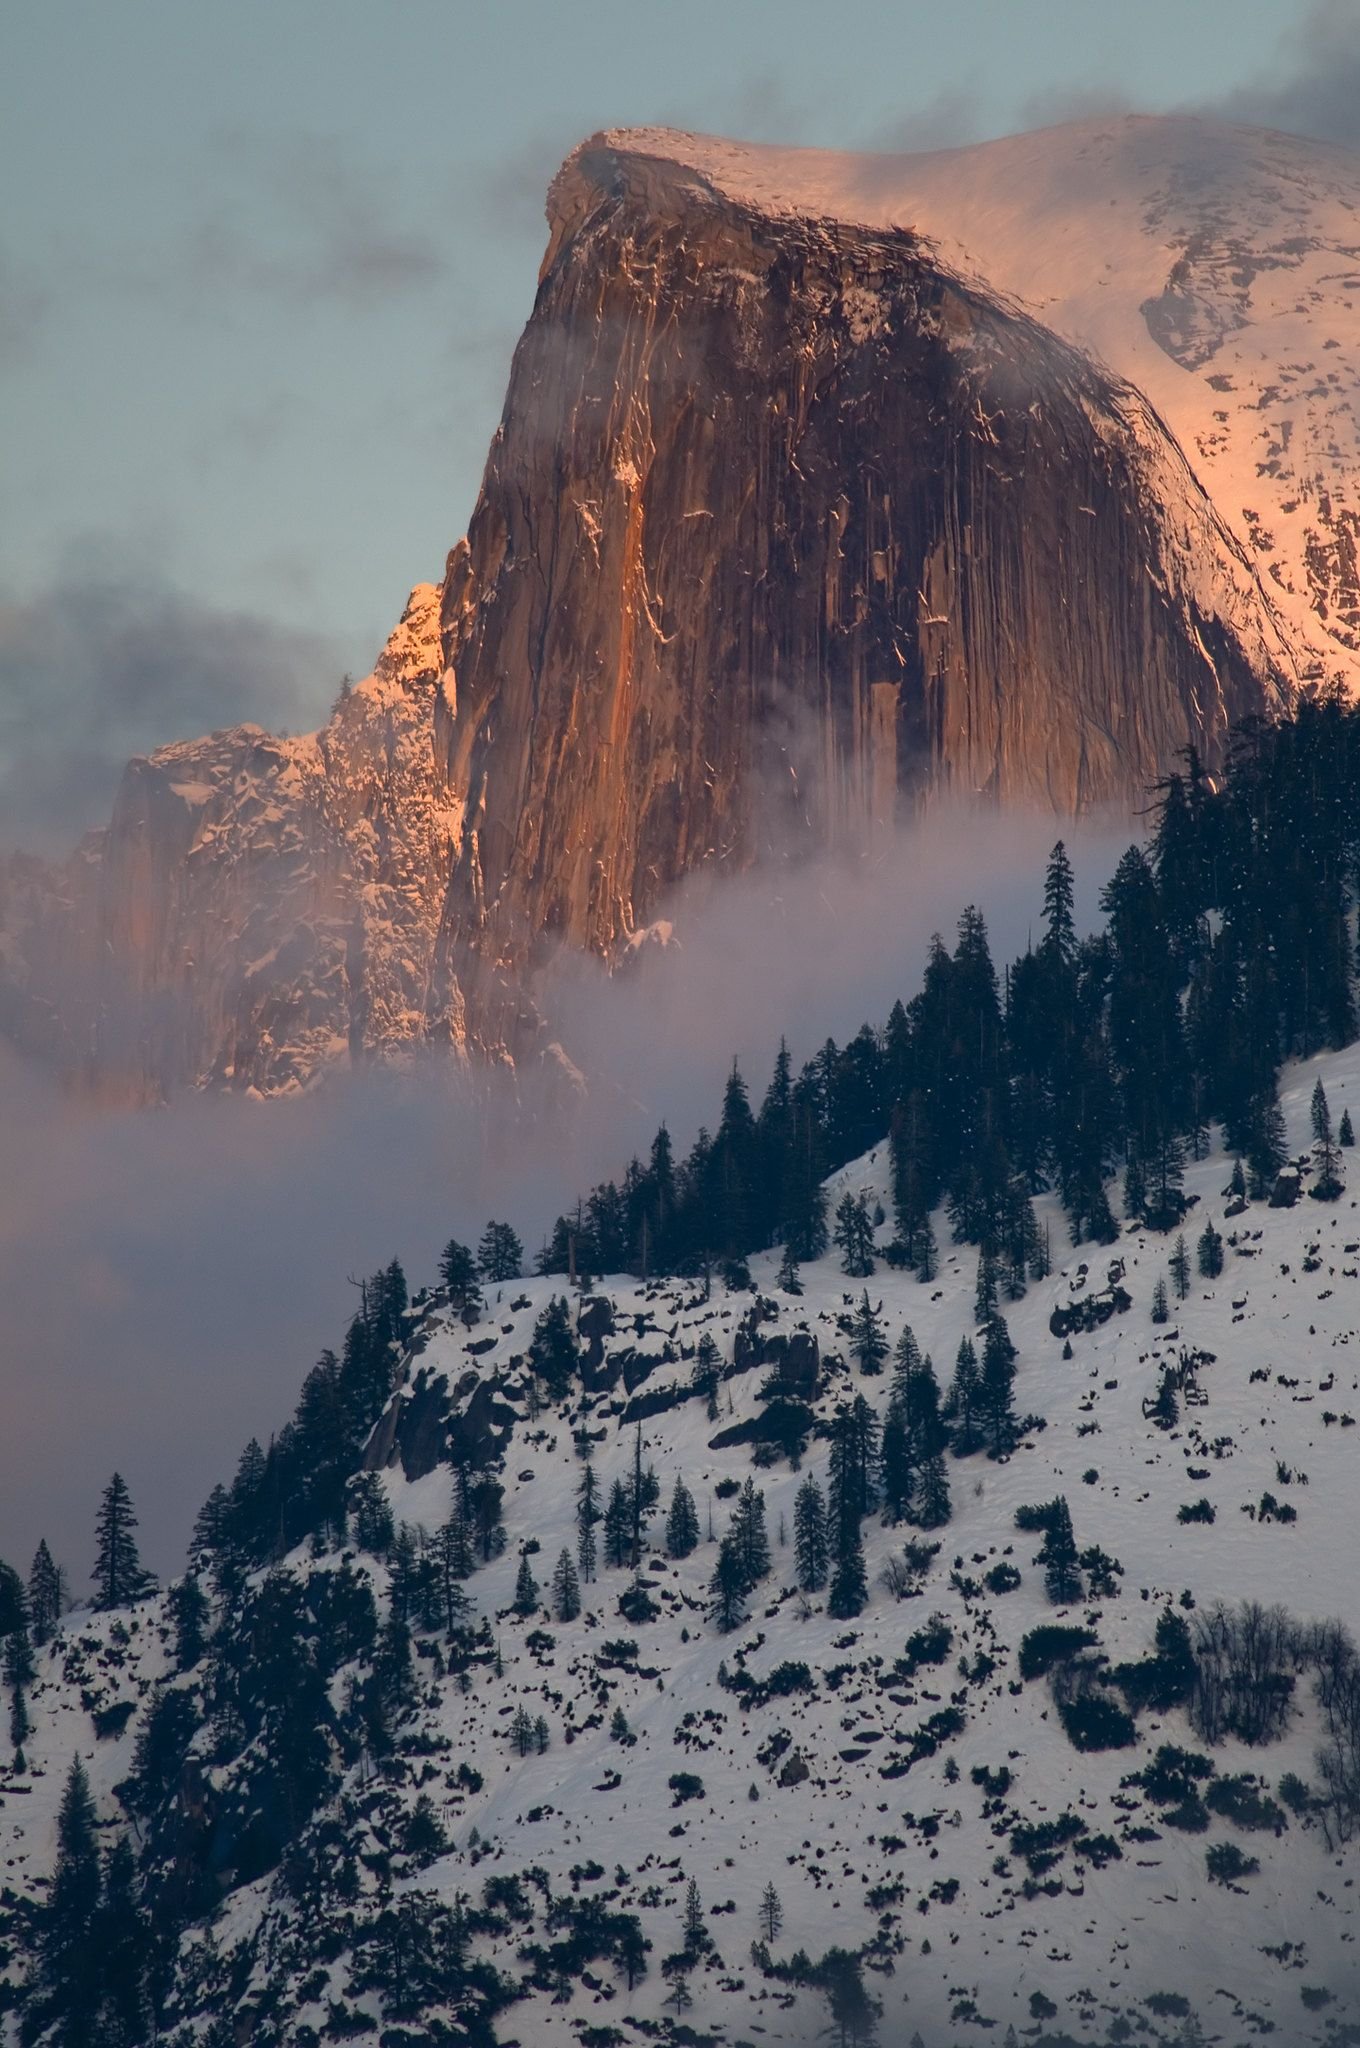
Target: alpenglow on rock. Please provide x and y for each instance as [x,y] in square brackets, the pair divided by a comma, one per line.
[825,487]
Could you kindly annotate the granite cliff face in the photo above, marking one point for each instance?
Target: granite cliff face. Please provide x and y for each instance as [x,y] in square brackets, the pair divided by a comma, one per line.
[790,527]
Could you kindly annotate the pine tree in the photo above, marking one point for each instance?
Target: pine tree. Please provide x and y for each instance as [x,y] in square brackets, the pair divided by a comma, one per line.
[682,1522]
[122,1938]
[1179,1267]
[963,1403]
[453,1564]
[695,1929]
[566,1589]
[749,1534]
[810,1545]
[118,1573]
[374,1530]
[587,1515]
[541,1735]
[46,1594]
[500,1255]
[521,1731]
[787,1277]
[526,1588]
[896,1466]
[552,1349]
[68,1962]
[1209,1252]
[1058,1556]
[1327,1185]
[855,1235]
[618,1527]
[1345,1133]
[985,1300]
[849,1589]
[728,1586]
[771,1913]
[705,1378]
[644,1491]
[996,1390]
[868,1339]
[458,1273]
[188,1609]
[927,1253]
[19,1673]
[1160,1310]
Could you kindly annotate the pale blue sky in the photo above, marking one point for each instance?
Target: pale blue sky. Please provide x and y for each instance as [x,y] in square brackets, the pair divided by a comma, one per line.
[262,264]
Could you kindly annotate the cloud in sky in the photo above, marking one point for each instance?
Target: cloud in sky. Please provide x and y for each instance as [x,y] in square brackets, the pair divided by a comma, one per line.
[107,662]
[1315,89]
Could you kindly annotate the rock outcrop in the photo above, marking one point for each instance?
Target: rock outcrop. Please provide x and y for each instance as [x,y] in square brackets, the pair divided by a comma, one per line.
[790,527]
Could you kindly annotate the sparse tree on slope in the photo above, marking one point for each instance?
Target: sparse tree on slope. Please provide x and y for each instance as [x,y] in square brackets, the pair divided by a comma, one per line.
[810,1547]
[500,1254]
[118,1573]
[682,1522]
[855,1235]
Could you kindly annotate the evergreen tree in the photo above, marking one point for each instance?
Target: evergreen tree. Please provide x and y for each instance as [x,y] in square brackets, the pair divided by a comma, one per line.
[749,1534]
[552,1349]
[566,1588]
[46,1594]
[771,1913]
[787,1277]
[1327,1185]
[458,1273]
[996,1390]
[19,1673]
[810,1544]
[122,1938]
[1179,1267]
[897,1468]
[118,1573]
[928,1504]
[868,1339]
[618,1527]
[1209,1252]
[927,1256]
[849,1589]
[526,1588]
[188,1609]
[705,1378]
[500,1255]
[67,1960]
[985,1300]
[855,1235]
[1345,1133]
[453,1564]
[587,1515]
[1160,1310]
[682,1522]
[728,1586]
[963,1404]
[212,1530]
[374,1530]
[1058,1556]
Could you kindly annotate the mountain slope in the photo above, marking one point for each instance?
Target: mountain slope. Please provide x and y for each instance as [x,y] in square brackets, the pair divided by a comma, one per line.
[887,1843]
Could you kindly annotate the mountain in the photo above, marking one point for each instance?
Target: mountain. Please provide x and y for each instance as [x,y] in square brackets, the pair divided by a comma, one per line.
[826,487]
[906,1777]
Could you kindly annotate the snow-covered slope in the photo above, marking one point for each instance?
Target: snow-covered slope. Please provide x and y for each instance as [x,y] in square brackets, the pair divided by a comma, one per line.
[1216,268]
[885,1842]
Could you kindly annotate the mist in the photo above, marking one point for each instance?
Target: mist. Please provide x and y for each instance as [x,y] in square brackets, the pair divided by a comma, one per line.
[168,1276]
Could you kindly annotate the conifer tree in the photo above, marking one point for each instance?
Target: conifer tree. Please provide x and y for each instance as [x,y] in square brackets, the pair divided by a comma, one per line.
[188,1609]
[500,1255]
[849,1588]
[810,1545]
[985,1293]
[1345,1132]
[855,1235]
[453,1564]
[19,1673]
[963,1403]
[787,1279]
[929,1504]
[618,1527]
[374,1530]
[1327,1184]
[587,1515]
[896,1467]
[1209,1252]
[728,1585]
[1179,1267]
[868,1339]
[118,1573]
[46,1594]
[526,1588]
[749,1534]
[541,1735]
[122,1937]
[771,1913]
[1058,1556]
[682,1522]
[566,1589]
[552,1349]
[996,1390]
[68,1963]
[458,1273]
[1160,1309]
[927,1254]
[705,1377]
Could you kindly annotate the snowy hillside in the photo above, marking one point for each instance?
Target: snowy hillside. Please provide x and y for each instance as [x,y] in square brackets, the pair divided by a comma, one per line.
[1216,268]
[892,1800]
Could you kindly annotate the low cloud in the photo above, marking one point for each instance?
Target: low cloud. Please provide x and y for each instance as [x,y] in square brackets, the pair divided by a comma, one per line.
[105,663]
[169,1277]
[1314,89]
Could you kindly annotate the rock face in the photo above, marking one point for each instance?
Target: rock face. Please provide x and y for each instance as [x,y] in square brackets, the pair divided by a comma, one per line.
[790,527]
